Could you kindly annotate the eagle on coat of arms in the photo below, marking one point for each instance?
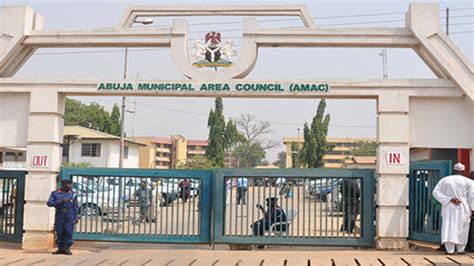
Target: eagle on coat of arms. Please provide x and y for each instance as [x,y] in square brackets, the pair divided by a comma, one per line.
[213,53]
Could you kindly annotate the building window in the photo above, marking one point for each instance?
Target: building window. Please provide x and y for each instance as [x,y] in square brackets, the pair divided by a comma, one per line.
[125,152]
[90,150]
[65,150]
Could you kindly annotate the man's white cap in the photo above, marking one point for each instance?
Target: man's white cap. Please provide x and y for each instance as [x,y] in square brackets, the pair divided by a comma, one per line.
[459,167]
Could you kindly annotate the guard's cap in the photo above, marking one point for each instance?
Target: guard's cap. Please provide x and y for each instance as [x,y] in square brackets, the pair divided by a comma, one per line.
[459,167]
[66,181]
[272,199]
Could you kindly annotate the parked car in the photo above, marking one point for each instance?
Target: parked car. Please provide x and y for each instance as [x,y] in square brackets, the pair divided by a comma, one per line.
[94,199]
[323,188]
[169,189]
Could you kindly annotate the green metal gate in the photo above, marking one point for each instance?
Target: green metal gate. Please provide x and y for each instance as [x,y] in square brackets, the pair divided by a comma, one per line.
[321,206]
[424,210]
[317,203]
[12,192]
[142,205]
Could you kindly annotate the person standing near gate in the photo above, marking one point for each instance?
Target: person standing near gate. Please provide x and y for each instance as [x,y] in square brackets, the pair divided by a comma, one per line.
[64,200]
[470,239]
[242,186]
[350,193]
[184,190]
[145,199]
[454,194]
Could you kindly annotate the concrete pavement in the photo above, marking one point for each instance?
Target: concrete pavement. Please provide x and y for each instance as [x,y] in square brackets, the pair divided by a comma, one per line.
[94,253]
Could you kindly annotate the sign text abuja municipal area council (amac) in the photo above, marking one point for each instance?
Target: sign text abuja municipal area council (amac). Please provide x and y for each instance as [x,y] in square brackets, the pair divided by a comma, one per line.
[208,87]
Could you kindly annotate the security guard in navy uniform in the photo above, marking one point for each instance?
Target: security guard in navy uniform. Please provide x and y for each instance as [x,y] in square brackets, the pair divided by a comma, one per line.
[273,214]
[65,202]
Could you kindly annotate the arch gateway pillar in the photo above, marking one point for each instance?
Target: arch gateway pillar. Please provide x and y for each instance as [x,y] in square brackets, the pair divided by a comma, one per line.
[409,111]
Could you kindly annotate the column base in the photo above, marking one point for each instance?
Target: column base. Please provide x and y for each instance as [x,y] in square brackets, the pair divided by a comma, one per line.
[38,240]
[388,243]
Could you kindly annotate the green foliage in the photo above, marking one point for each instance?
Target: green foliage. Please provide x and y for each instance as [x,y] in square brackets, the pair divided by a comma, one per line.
[295,155]
[232,136]
[216,138]
[365,148]
[281,160]
[249,154]
[315,138]
[197,162]
[116,118]
[92,116]
[77,165]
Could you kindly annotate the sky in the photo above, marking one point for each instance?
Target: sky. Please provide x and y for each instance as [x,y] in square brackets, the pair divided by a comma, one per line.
[161,116]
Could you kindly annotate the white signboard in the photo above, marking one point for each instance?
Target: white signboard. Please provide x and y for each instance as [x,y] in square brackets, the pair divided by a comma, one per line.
[395,158]
[14,165]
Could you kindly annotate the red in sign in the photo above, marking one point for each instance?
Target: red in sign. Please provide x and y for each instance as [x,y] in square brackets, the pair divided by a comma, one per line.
[39,160]
[395,158]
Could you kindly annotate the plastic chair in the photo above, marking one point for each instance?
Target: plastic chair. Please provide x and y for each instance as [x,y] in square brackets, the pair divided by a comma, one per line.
[290,216]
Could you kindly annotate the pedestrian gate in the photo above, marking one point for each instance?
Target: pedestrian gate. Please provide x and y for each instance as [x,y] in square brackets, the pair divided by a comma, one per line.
[12,188]
[322,206]
[425,218]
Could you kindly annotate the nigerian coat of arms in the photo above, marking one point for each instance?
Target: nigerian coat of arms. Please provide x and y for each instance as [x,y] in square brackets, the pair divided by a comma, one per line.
[213,53]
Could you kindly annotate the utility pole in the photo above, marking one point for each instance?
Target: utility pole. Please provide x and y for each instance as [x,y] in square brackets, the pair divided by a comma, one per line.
[134,110]
[122,120]
[298,151]
[383,54]
[447,21]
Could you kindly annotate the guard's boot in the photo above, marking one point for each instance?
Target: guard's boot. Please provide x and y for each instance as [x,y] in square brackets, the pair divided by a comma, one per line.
[58,252]
[67,252]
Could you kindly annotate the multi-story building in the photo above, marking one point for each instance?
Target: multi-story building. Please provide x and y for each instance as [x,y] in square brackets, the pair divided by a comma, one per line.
[341,155]
[168,153]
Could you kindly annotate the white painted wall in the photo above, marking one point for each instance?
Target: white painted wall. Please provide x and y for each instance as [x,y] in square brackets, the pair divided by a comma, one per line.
[14,111]
[441,123]
[132,160]
[109,154]
[75,153]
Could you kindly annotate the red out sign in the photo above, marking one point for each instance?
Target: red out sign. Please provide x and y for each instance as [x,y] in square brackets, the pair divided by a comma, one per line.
[39,161]
[395,158]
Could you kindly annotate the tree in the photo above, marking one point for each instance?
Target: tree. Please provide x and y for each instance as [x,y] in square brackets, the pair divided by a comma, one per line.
[315,138]
[115,118]
[92,116]
[365,148]
[281,160]
[249,155]
[197,162]
[232,136]
[252,150]
[216,138]
[295,155]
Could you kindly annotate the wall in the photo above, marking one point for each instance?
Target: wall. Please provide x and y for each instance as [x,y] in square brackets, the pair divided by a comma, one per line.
[113,149]
[14,113]
[419,154]
[132,161]
[75,153]
[441,123]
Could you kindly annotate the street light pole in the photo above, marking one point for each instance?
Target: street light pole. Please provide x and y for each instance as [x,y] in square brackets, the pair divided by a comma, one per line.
[122,120]
[143,21]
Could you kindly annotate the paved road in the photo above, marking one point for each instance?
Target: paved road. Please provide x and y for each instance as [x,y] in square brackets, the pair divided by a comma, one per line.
[90,253]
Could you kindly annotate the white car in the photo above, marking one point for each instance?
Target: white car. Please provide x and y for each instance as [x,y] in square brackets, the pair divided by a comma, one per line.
[94,199]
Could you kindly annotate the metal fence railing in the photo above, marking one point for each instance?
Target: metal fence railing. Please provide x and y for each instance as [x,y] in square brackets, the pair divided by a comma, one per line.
[425,211]
[304,207]
[311,206]
[141,204]
[12,185]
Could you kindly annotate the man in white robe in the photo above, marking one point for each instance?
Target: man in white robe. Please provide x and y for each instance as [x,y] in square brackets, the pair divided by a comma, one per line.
[454,194]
